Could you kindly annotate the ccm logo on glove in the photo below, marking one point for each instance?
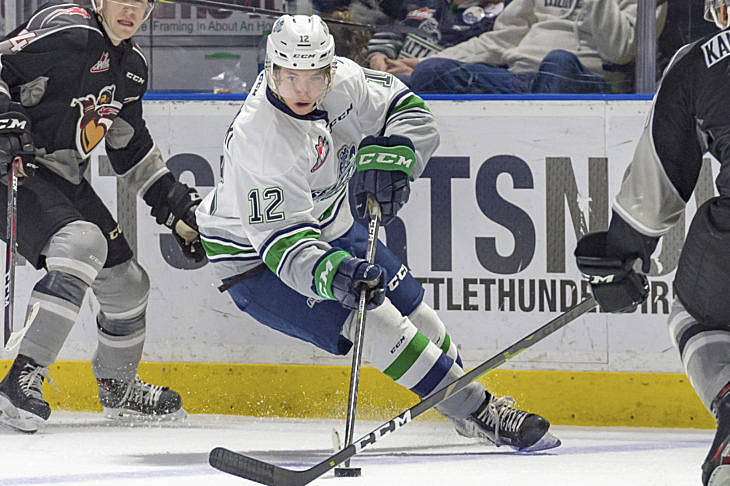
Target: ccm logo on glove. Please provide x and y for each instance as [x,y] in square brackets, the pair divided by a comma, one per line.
[12,124]
[385,158]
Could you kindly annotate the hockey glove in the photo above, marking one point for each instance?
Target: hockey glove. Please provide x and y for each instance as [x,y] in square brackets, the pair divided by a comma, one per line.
[384,166]
[16,140]
[350,274]
[614,283]
[176,210]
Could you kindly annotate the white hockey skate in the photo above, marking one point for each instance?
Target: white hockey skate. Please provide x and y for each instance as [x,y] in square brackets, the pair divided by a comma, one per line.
[136,400]
[499,423]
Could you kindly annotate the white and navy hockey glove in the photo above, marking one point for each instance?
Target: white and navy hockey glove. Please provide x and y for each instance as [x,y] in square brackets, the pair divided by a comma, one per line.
[173,205]
[384,166]
[340,276]
[16,139]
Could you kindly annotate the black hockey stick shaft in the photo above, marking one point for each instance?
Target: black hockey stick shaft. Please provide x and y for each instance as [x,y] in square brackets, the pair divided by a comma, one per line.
[373,209]
[11,228]
[271,475]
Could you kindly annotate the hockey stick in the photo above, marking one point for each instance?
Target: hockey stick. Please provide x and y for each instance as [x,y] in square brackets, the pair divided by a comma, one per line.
[271,475]
[11,228]
[373,209]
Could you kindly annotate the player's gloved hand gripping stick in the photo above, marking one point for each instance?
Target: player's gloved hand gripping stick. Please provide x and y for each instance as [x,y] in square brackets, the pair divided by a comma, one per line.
[16,161]
[373,209]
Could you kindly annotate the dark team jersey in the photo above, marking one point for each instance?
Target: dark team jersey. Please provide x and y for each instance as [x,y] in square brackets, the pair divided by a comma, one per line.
[690,116]
[79,89]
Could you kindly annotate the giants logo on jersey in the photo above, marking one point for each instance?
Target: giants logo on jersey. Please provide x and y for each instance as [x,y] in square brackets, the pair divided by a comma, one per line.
[97,115]
[322,149]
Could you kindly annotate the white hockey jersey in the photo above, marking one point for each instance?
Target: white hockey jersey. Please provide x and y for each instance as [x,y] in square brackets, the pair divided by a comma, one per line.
[282,195]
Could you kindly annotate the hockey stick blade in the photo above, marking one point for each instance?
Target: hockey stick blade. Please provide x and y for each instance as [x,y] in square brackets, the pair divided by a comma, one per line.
[271,475]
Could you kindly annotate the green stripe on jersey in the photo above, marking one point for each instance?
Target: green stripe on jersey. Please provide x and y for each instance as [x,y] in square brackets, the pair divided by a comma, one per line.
[407,357]
[276,251]
[213,249]
[325,273]
[447,344]
[411,102]
[328,212]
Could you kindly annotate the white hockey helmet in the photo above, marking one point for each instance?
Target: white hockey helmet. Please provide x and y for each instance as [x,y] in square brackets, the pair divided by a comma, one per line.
[300,42]
[714,12]
[149,5]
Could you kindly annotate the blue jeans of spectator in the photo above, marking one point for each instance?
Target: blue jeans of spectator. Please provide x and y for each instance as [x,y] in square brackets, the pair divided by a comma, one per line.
[559,72]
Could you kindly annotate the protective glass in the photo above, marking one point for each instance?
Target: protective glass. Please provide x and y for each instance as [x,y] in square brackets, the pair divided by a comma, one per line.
[301,85]
[145,5]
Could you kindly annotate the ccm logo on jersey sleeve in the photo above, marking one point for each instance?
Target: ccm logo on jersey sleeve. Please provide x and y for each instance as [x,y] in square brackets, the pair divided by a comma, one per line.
[135,78]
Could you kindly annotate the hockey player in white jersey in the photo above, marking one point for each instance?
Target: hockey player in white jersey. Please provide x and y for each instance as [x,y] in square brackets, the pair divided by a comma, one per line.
[279,231]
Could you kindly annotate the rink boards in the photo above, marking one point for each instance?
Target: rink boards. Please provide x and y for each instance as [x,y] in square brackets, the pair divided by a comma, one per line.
[489,230]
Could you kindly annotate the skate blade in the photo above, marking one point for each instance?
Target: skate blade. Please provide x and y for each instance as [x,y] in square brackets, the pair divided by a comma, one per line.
[19,420]
[720,476]
[125,416]
[547,441]
[17,336]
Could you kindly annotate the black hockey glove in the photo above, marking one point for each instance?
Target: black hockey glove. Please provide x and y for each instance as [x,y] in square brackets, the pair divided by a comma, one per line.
[384,166]
[351,275]
[175,208]
[16,140]
[614,283]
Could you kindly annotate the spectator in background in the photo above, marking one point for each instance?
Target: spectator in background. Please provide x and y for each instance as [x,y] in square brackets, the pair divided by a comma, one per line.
[426,27]
[542,46]
[685,23]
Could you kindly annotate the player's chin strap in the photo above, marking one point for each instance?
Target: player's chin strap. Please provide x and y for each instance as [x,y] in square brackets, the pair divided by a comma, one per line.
[98,5]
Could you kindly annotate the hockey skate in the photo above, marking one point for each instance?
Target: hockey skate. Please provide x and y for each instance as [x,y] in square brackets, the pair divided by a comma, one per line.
[21,396]
[497,421]
[716,468]
[139,401]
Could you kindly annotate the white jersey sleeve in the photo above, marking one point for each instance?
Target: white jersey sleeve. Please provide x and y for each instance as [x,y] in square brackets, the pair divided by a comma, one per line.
[275,205]
[386,106]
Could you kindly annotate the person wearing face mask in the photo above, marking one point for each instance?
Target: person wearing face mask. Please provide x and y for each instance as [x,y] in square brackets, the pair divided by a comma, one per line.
[71,78]
[278,231]
[541,46]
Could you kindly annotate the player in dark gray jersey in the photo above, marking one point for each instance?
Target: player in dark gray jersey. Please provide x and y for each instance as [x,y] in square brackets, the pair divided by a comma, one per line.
[690,117]
[71,78]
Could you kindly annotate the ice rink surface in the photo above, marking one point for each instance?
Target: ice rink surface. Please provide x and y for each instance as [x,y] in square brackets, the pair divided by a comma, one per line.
[86,449]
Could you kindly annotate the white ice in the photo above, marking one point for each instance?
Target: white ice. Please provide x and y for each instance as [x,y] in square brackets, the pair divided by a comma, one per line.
[86,449]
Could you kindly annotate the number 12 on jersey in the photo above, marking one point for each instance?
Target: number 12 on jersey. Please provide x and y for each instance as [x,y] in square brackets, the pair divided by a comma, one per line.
[272,199]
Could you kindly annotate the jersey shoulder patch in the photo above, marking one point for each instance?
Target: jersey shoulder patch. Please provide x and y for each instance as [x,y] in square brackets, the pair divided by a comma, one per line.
[61,15]
[73,23]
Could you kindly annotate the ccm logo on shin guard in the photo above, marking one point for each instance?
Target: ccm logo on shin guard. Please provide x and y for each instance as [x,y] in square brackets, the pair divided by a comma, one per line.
[396,280]
[397,345]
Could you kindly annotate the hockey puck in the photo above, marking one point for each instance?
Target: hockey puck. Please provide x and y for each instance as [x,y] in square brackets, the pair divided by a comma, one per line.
[348,472]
